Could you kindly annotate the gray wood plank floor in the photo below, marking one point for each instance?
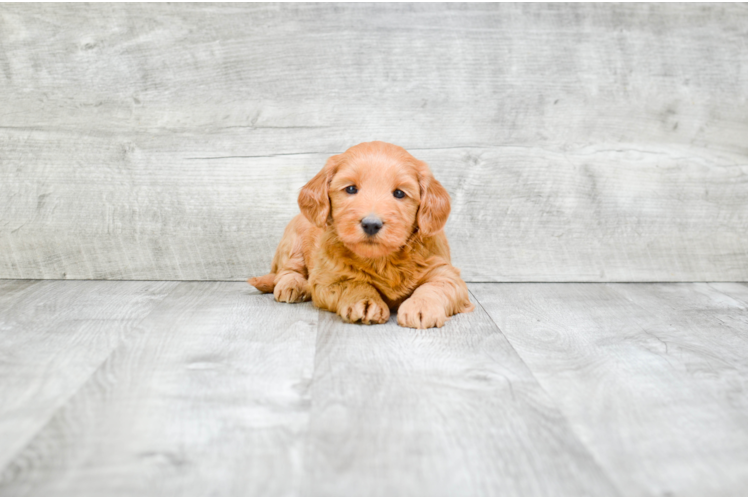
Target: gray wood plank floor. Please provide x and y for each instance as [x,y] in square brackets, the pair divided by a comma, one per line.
[197,388]
[650,377]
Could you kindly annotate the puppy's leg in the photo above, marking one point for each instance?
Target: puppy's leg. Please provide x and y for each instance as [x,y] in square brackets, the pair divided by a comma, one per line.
[288,276]
[352,300]
[292,287]
[442,295]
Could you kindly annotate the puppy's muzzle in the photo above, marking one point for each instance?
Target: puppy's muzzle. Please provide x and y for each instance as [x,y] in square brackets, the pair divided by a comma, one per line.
[371,225]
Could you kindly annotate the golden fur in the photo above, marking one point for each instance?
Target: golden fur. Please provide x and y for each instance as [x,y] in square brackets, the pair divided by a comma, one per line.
[326,256]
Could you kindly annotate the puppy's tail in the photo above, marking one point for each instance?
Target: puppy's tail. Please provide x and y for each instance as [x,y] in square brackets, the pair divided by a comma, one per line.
[263,283]
[467,307]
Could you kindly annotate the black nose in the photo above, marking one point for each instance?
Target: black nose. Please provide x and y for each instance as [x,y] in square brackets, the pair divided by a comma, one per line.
[371,225]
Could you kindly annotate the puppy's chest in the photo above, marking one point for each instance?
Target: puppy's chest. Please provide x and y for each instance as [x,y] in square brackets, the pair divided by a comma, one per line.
[394,283]
[395,278]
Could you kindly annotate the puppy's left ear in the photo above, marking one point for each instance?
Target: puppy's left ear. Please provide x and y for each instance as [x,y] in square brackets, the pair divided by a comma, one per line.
[314,200]
[435,204]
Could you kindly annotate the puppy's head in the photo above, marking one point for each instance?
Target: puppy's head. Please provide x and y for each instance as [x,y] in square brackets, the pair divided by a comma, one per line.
[375,195]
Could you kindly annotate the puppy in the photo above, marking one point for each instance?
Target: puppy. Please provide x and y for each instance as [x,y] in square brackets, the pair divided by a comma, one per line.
[369,240]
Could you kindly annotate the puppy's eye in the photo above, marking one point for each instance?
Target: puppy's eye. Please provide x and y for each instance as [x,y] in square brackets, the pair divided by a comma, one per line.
[398,194]
[351,190]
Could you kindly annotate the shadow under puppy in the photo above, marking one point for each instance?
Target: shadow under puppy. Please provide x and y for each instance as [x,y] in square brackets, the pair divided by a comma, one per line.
[370,239]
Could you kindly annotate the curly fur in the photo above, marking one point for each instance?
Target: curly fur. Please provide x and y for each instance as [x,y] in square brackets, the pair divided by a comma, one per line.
[325,255]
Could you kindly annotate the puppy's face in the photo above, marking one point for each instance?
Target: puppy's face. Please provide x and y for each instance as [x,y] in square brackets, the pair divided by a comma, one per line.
[375,195]
[374,201]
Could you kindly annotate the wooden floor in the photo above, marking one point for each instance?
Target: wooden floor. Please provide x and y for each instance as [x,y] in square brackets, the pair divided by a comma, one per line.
[209,388]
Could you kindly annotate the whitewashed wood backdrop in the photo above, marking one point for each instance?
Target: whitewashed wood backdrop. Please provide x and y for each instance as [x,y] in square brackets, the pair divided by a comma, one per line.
[579,142]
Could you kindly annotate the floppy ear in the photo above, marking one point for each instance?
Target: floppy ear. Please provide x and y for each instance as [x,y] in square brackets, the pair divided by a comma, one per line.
[314,200]
[435,205]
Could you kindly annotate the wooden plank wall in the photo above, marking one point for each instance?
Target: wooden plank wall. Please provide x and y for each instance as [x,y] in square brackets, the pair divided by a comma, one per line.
[591,142]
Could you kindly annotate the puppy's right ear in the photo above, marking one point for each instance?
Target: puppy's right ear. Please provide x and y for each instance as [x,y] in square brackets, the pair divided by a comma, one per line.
[314,200]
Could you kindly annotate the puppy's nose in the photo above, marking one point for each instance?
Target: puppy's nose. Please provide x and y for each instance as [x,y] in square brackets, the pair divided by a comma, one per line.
[371,225]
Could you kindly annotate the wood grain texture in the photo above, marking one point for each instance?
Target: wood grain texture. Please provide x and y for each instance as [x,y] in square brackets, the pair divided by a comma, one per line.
[651,377]
[208,398]
[53,337]
[738,291]
[164,388]
[437,413]
[579,142]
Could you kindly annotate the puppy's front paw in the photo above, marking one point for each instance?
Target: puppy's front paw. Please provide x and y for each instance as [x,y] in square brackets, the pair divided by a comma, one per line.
[292,288]
[419,313]
[367,311]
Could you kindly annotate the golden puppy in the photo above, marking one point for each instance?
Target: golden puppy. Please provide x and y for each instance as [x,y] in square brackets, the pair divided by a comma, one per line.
[370,239]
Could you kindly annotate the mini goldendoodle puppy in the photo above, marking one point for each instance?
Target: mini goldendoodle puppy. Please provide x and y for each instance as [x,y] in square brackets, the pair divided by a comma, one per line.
[370,239]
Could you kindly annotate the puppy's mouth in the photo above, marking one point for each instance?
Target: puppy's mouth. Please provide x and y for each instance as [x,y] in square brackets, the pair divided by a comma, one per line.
[367,242]
[370,247]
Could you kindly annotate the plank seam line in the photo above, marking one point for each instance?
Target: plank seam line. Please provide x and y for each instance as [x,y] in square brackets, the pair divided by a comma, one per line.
[9,463]
[4,467]
[307,432]
[552,399]
[647,310]
[255,156]
[745,285]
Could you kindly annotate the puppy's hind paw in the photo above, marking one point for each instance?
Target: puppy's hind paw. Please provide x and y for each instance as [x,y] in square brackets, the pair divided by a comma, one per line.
[292,288]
